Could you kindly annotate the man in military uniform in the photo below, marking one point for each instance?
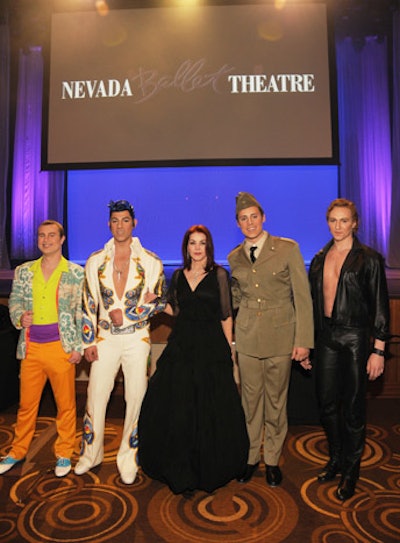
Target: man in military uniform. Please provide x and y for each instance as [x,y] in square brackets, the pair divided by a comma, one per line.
[274,326]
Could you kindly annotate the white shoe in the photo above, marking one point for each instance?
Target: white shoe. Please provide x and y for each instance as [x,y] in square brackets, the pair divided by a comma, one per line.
[7,463]
[63,467]
[127,478]
[82,467]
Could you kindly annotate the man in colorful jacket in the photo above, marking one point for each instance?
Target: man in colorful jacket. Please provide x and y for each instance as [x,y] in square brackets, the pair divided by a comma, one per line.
[46,305]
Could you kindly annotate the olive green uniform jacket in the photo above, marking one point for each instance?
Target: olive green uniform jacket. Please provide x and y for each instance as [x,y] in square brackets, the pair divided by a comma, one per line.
[273,299]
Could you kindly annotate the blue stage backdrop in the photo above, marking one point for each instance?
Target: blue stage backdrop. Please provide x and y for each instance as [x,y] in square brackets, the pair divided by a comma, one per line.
[169,200]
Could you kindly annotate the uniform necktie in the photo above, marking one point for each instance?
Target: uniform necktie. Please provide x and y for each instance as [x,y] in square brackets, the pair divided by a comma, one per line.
[252,255]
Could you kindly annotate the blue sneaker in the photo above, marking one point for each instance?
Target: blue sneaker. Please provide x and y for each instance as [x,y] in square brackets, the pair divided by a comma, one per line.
[7,463]
[63,467]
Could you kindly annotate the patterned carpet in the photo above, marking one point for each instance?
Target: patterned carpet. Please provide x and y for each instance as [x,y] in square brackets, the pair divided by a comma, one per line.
[97,507]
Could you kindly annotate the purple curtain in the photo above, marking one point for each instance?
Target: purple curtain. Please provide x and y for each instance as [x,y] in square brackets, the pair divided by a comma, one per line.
[394,240]
[36,195]
[4,132]
[364,135]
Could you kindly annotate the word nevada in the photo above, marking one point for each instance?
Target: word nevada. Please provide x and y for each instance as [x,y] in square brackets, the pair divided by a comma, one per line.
[109,88]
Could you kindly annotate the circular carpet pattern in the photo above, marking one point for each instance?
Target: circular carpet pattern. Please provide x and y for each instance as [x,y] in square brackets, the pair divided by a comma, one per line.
[8,523]
[312,446]
[332,534]
[43,486]
[95,514]
[253,512]
[373,517]
[322,497]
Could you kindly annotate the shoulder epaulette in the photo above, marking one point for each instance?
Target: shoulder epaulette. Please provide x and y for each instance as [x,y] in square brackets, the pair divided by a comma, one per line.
[235,249]
[290,240]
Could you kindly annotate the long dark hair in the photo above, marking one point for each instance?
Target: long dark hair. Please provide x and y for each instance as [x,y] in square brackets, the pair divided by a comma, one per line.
[187,261]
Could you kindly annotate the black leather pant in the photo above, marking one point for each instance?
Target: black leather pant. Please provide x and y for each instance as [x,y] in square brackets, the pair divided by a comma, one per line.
[341,380]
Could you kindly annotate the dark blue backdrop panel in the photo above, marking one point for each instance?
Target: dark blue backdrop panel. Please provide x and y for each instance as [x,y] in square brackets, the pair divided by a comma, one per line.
[169,200]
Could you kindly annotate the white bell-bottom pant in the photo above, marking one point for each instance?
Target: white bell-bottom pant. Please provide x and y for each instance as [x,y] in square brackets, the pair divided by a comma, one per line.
[129,352]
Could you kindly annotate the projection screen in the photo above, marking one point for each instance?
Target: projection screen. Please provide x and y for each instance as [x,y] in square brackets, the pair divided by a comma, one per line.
[206,84]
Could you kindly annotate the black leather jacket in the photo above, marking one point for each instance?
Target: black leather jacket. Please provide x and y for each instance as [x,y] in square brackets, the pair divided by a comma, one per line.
[361,298]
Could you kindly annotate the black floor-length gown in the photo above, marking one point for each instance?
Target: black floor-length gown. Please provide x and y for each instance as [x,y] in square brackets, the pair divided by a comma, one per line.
[192,430]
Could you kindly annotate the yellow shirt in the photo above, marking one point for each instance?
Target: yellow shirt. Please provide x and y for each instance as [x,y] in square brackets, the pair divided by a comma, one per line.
[45,292]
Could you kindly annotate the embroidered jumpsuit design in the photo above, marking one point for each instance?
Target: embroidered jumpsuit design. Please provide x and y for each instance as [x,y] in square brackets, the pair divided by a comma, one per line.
[127,346]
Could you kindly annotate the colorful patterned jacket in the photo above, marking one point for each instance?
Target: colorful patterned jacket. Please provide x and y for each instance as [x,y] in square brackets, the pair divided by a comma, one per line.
[69,305]
[146,273]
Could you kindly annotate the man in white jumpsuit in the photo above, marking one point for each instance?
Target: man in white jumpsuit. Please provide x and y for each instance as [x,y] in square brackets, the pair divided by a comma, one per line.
[116,334]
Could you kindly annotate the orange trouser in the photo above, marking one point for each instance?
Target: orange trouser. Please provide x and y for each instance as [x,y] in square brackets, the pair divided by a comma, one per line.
[46,361]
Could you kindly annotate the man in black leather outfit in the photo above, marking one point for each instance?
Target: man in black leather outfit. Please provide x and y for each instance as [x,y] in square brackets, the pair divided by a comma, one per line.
[351,315]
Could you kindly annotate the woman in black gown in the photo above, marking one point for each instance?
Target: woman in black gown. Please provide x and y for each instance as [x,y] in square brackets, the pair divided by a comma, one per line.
[192,429]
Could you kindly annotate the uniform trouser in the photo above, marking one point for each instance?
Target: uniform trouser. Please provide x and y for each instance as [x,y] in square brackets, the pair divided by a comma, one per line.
[265,383]
[130,352]
[341,378]
[46,361]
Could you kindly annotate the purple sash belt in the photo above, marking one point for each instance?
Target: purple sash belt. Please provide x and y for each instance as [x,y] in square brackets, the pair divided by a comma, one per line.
[44,333]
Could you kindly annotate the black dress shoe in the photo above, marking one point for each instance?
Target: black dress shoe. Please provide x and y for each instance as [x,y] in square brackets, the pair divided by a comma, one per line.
[346,488]
[248,473]
[273,475]
[329,472]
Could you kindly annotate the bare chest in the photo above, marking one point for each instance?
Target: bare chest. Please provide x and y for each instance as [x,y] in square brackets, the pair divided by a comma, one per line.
[120,274]
[333,265]
[332,268]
